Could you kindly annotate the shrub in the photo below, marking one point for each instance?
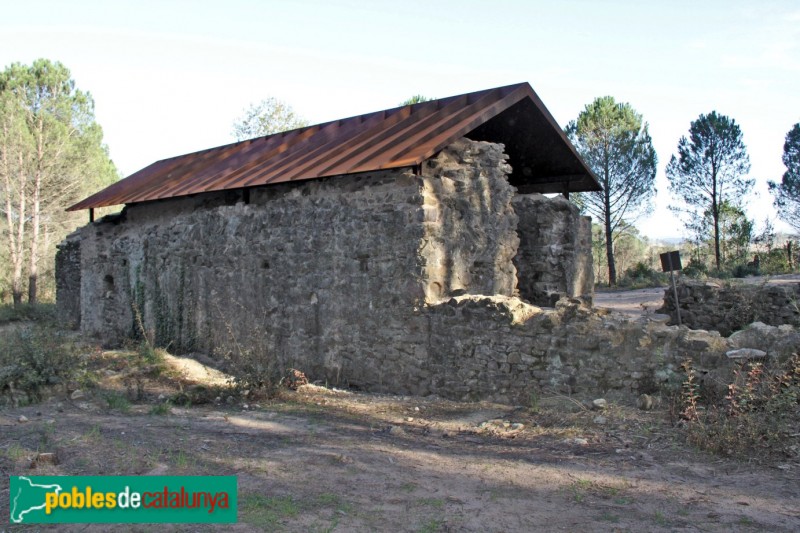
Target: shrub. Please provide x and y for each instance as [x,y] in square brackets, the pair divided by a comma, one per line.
[695,269]
[641,275]
[32,358]
[775,262]
[249,361]
[744,270]
[758,415]
[27,312]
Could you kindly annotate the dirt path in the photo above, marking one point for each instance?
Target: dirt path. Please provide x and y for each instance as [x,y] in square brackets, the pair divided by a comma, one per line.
[322,460]
[643,301]
[636,302]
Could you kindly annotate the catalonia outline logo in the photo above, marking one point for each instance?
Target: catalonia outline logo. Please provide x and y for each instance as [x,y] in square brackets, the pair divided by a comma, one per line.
[122,499]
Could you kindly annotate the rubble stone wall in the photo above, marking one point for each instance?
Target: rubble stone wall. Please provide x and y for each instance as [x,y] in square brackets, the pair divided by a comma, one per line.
[730,307]
[555,250]
[68,282]
[506,350]
[390,281]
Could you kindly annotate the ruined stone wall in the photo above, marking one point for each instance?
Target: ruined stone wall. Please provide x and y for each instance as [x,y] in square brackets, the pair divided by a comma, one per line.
[555,250]
[506,350]
[68,283]
[470,223]
[730,307]
[377,281]
[315,275]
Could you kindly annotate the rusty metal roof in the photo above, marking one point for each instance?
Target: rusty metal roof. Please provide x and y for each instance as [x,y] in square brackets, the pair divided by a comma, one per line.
[541,157]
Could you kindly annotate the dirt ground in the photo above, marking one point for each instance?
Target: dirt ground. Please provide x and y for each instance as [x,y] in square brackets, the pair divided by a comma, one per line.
[327,460]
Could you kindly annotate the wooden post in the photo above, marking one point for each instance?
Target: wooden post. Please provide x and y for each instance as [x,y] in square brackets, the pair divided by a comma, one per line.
[674,289]
[91,214]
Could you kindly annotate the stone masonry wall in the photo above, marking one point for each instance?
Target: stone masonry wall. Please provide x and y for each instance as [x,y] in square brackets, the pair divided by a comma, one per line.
[315,275]
[470,223]
[68,283]
[555,251]
[727,308]
[337,277]
[506,350]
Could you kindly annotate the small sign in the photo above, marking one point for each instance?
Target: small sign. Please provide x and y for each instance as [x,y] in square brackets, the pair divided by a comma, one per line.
[671,261]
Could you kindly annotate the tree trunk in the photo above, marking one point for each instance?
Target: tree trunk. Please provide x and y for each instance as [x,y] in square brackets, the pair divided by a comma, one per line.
[15,238]
[612,267]
[33,267]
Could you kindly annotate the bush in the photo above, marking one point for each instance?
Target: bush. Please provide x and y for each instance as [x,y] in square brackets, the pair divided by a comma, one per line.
[775,262]
[27,312]
[32,358]
[758,416]
[248,360]
[695,269]
[742,271]
[722,273]
[641,275]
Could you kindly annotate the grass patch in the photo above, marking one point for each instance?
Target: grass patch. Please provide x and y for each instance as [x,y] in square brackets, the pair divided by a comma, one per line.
[431,526]
[181,460]
[660,518]
[15,452]
[580,488]
[408,487]
[93,434]
[266,512]
[161,409]
[117,402]
[42,312]
[436,503]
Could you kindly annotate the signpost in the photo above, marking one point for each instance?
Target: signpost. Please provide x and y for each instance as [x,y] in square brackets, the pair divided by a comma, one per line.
[671,261]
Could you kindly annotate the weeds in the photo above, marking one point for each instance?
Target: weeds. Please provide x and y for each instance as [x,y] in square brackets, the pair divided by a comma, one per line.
[689,392]
[148,361]
[118,402]
[758,416]
[32,358]
[27,312]
[161,409]
[268,512]
[252,367]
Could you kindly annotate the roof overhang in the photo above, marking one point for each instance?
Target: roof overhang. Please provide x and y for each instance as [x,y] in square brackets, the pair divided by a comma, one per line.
[541,157]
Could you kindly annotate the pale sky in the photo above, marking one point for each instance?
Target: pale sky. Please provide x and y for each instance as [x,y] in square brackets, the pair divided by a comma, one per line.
[169,77]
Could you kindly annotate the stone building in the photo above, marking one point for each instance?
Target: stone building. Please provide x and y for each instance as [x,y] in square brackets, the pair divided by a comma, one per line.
[345,249]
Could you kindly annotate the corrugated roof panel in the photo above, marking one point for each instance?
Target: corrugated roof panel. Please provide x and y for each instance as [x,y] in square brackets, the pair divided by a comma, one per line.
[394,138]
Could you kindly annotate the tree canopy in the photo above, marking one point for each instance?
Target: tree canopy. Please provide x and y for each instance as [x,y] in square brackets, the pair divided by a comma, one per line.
[416,99]
[267,117]
[708,172]
[787,193]
[51,155]
[615,143]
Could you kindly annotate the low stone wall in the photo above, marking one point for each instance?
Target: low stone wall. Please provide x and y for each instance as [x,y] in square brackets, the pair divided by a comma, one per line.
[730,307]
[506,350]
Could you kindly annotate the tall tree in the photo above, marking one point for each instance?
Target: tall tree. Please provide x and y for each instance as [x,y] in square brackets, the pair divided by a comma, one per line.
[787,192]
[709,170]
[265,118]
[614,141]
[51,153]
